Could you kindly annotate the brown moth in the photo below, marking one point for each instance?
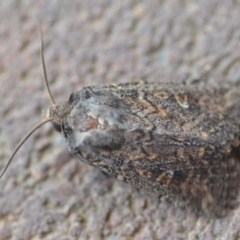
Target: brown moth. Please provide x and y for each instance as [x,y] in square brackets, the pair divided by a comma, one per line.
[179,140]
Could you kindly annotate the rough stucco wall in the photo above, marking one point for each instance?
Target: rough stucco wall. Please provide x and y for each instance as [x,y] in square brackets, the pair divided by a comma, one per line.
[48,194]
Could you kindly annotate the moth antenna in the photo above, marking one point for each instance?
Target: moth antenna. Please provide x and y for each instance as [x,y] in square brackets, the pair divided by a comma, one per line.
[23,141]
[44,69]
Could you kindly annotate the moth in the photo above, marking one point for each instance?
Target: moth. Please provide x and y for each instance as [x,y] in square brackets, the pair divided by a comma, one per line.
[178,140]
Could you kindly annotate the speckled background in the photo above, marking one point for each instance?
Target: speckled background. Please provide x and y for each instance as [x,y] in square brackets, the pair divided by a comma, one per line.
[48,194]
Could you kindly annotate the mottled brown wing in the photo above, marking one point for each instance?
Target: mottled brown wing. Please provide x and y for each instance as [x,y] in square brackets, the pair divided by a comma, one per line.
[182,141]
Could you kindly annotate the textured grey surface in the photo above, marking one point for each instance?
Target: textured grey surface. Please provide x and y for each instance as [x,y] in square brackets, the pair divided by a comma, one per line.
[46,193]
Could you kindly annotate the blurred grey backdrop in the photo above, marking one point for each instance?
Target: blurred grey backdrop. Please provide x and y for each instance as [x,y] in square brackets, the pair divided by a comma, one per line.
[48,194]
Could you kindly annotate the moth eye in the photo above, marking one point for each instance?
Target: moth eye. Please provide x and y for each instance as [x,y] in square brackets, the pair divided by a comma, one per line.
[57,127]
[71,98]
